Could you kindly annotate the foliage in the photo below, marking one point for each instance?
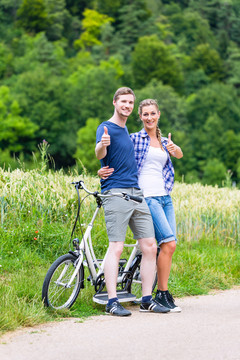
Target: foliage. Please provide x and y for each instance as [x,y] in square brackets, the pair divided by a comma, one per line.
[92,24]
[62,61]
[86,141]
[16,132]
[152,59]
[32,15]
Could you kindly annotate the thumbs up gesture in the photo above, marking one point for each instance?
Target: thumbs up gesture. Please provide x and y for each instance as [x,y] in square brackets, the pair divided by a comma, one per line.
[170,145]
[105,140]
[173,149]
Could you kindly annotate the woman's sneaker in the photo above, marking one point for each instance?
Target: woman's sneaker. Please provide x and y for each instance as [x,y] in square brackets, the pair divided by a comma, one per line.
[116,309]
[153,306]
[165,298]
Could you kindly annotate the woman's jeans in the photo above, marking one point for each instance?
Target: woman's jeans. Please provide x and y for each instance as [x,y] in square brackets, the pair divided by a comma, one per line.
[162,211]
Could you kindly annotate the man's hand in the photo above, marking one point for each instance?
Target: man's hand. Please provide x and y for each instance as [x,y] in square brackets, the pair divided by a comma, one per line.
[101,147]
[105,138]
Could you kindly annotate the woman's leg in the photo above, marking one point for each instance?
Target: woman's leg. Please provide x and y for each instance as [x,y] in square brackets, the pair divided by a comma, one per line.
[163,216]
[164,263]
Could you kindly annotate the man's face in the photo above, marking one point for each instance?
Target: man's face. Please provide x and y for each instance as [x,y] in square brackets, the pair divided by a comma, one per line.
[124,105]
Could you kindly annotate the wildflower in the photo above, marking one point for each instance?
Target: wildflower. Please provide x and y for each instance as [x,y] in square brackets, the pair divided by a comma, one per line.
[36,231]
[35,238]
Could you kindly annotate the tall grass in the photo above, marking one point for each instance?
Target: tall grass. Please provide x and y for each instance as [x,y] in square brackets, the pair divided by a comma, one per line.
[38,209]
[207,211]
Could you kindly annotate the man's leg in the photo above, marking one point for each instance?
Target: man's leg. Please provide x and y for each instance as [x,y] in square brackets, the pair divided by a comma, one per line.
[111,267]
[148,267]
[148,264]
[111,272]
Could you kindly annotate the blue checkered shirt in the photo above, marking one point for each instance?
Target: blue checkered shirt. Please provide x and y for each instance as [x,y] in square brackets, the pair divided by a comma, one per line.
[141,142]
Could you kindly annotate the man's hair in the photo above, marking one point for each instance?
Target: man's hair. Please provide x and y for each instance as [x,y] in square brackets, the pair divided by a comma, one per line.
[123,91]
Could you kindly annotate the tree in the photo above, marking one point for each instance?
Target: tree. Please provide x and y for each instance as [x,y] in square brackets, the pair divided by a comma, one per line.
[214,172]
[203,57]
[6,60]
[33,16]
[92,25]
[190,29]
[90,91]
[16,132]
[76,7]
[151,59]
[57,16]
[216,98]
[86,142]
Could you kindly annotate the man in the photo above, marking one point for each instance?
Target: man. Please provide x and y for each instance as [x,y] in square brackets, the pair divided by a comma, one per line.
[115,149]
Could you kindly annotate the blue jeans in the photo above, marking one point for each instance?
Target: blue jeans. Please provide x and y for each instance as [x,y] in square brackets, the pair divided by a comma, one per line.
[163,215]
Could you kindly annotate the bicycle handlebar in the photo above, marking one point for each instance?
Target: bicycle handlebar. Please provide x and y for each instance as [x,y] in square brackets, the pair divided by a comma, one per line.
[80,185]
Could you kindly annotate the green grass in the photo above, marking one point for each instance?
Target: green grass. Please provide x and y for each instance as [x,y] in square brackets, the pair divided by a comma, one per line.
[37,212]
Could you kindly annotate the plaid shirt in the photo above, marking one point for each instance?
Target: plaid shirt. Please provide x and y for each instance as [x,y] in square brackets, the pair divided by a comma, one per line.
[141,142]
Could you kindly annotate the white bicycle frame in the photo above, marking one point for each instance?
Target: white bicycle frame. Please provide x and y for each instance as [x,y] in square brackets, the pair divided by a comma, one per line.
[86,249]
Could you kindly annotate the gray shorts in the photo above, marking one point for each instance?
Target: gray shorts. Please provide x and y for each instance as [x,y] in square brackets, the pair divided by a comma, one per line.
[119,213]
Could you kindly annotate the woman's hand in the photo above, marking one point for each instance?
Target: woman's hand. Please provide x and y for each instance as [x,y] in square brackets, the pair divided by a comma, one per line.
[105,172]
[173,149]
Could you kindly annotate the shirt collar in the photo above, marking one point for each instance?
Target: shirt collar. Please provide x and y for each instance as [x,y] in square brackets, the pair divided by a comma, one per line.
[143,133]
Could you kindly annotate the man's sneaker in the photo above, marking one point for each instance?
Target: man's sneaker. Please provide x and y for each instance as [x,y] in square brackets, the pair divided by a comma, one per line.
[117,309]
[153,306]
[165,298]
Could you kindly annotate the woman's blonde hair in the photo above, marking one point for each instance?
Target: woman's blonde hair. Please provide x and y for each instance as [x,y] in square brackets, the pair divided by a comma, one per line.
[148,102]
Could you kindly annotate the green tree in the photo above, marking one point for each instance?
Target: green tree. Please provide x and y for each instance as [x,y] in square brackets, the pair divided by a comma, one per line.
[190,29]
[203,57]
[231,154]
[86,142]
[33,16]
[92,25]
[214,172]
[57,17]
[76,7]
[16,132]
[233,66]
[90,91]
[216,98]
[6,59]
[151,59]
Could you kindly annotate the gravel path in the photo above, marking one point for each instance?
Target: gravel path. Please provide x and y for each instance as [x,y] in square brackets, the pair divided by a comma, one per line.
[208,328]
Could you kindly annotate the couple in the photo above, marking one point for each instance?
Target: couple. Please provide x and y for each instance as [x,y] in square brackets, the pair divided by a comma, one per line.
[139,165]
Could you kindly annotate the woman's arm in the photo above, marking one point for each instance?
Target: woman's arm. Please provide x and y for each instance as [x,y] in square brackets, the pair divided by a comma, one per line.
[105,172]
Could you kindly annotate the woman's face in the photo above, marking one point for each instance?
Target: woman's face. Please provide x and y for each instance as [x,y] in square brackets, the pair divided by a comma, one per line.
[150,115]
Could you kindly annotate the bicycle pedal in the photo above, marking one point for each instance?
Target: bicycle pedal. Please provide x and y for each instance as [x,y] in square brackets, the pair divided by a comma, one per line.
[123,296]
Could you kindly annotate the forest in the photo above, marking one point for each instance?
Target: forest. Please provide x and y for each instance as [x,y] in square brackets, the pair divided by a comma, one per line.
[62,60]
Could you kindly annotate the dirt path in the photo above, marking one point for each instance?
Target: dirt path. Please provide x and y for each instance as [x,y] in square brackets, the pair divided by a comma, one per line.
[208,328]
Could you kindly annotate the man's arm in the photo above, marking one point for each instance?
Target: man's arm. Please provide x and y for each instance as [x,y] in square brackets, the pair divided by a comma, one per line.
[101,147]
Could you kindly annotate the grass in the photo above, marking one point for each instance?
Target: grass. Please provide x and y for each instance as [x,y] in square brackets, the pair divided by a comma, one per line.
[37,211]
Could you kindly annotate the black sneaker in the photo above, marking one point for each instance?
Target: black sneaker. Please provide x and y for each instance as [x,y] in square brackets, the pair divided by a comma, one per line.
[165,298]
[117,309]
[153,306]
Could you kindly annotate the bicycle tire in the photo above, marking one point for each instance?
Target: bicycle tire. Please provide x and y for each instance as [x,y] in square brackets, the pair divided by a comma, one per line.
[136,285]
[55,294]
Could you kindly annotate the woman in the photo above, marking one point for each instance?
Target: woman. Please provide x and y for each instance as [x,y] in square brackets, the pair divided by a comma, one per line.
[156,178]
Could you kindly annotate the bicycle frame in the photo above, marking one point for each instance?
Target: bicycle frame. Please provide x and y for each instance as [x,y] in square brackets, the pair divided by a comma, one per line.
[86,250]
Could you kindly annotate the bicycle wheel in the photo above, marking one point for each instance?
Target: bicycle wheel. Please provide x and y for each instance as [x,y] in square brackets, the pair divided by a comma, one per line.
[136,286]
[55,292]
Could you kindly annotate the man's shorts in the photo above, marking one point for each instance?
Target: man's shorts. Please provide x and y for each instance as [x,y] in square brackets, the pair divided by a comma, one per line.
[119,213]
